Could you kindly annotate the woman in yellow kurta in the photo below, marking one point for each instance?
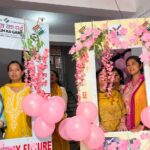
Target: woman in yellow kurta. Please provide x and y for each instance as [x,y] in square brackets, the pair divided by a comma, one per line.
[134,94]
[111,108]
[57,142]
[18,123]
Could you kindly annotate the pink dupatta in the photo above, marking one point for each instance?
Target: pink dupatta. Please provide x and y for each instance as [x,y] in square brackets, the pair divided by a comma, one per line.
[128,95]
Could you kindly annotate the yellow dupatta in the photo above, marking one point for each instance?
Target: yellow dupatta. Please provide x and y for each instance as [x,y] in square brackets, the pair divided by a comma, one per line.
[56,90]
[140,100]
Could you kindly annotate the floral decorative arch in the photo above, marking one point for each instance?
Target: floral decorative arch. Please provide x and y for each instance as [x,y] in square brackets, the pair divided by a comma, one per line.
[101,37]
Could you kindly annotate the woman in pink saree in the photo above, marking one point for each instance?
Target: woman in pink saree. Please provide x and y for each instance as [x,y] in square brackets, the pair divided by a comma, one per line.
[134,94]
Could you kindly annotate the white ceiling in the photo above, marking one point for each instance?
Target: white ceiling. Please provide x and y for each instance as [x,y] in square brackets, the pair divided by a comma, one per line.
[60,23]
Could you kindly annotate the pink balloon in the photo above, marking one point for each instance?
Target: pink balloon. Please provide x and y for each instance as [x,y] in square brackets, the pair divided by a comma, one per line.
[96,137]
[59,100]
[126,55]
[32,103]
[77,128]
[87,110]
[145,116]
[41,129]
[120,63]
[62,129]
[99,148]
[52,112]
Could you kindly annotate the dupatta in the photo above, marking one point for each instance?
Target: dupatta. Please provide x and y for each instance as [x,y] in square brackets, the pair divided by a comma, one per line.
[129,99]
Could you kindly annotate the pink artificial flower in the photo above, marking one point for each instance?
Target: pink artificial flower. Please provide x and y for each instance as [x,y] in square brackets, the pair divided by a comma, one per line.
[136,144]
[80,65]
[36,72]
[123,45]
[88,44]
[146,37]
[96,32]
[147,44]
[37,56]
[26,80]
[144,136]
[133,40]
[72,50]
[32,73]
[41,66]
[44,75]
[83,37]
[47,50]
[107,70]
[112,146]
[31,65]
[145,57]
[113,38]
[79,46]
[45,53]
[88,31]
[45,83]
[139,30]
[123,31]
[123,145]
[113,34]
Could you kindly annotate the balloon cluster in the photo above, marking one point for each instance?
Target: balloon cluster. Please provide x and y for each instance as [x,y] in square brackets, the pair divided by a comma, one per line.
[46,112]
[82,128]
[78,128]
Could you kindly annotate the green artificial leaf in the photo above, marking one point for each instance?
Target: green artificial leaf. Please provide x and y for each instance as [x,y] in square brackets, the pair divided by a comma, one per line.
[29,42]
[24,44]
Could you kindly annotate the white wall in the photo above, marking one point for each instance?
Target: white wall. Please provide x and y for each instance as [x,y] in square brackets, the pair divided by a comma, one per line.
[5,57]
[136,51]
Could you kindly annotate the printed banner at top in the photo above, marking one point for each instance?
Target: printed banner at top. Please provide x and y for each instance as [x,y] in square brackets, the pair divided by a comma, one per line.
[11,27]
[10,30]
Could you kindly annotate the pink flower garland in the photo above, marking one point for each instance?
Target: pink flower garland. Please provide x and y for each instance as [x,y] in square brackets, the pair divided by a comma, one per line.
[106,73]
[142,33]
[114,37]
[34,71]
[86,40]
[94,36]
[79,50]
[80,66]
